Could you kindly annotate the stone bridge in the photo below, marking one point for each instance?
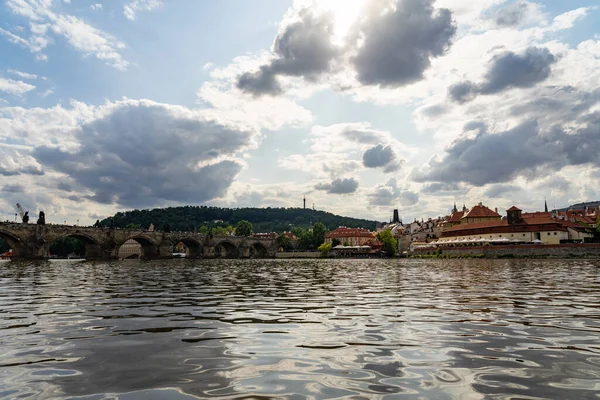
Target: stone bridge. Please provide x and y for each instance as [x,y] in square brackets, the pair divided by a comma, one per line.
[34,241]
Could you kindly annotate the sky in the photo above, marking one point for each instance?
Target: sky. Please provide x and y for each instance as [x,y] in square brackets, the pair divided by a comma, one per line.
[361,106]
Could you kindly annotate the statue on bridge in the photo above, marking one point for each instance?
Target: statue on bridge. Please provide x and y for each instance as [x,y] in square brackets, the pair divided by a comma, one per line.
[26,217]
[41,219]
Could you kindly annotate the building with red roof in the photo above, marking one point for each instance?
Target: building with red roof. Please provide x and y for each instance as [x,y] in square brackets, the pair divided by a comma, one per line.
[480,213]
[350,236]
[517,227]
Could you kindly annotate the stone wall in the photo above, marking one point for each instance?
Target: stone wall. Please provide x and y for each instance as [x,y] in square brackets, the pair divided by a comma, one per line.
[297,254]
[591,250]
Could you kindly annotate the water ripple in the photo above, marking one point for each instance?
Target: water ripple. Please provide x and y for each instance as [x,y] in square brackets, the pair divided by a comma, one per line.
[300,329]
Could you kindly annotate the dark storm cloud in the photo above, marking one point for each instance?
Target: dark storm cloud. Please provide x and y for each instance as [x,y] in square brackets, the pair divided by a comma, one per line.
[13,188]
[507,70]
[484,158]
[303,48]
[381,156]
[398,45]
[513,14]
[142,154]
[339,186]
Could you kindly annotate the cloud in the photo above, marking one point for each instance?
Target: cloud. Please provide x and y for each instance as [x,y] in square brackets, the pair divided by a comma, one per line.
[381,156]
[17,160]
[13,188]
[339,186]
[81,36]
[96,6]
[480,157]
[302,48]
[130,9]
[141,153]
[463,92]
[391,44]
[510,70]
[21,74]
[513,14]
[499,190]
[398,44]
[389,193]
[442,189]
[507,70]
[14,87]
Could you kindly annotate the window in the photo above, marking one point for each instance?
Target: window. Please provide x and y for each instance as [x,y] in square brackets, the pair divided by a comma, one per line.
[523,234]
[548,233]
[554,233]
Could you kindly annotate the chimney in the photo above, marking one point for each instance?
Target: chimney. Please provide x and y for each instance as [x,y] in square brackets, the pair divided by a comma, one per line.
[496,209]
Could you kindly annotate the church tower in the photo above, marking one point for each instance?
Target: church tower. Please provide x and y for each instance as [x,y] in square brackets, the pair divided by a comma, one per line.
[396,219]
[545,206]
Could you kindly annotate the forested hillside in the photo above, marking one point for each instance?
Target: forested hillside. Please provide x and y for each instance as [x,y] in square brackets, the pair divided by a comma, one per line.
[263,219]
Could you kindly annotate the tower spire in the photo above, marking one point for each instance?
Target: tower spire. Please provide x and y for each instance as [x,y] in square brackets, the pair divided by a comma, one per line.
[545,205]
[305,202]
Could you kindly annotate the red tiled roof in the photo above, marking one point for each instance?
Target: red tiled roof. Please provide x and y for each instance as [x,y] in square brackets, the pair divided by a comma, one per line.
[480,211]
[530,224]
[343,232]
[456,216]
[513,208]
[536,215]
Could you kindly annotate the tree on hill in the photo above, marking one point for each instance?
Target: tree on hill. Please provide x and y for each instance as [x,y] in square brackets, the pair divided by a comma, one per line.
[191,218]
[598,223]
[243,228]
[318,233]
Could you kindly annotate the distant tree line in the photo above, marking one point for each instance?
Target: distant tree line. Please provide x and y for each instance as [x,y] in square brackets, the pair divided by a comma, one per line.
[193,218]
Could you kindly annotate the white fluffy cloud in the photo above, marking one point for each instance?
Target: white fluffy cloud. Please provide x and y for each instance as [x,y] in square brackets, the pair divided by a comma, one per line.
[43,22]
[14,87]
[133,7]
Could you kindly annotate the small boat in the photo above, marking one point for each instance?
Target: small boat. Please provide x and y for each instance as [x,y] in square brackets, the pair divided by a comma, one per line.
[66,259]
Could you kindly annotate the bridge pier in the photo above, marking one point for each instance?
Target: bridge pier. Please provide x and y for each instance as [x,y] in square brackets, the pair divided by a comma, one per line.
[93,251]
[209,252]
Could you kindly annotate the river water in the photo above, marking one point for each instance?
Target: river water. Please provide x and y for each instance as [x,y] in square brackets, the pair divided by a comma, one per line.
[300,329]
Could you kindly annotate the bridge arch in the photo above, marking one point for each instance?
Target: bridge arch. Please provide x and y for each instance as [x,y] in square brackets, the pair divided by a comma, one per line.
[226,249]
[14,242]
[258,250]
[194,248]
[149,249]
[92,247]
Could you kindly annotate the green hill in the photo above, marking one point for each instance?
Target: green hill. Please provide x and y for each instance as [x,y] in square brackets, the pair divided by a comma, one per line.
[269,219]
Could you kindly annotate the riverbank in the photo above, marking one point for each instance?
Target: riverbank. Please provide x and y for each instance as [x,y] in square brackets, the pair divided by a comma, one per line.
[589,250]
